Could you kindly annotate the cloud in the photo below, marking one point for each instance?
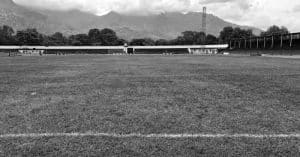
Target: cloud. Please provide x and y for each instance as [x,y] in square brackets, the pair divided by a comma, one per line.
[259,13]
[101,7]
[215,1]
[242,4]
[297,8]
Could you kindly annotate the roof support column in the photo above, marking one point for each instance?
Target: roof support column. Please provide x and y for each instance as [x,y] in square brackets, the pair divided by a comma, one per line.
[281,41]
[291,41]
[272,45]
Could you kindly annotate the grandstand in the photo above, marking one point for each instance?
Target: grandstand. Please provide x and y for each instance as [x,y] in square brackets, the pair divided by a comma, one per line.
[178,49]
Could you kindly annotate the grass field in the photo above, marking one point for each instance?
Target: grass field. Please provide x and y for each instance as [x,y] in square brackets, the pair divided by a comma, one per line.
[149,95]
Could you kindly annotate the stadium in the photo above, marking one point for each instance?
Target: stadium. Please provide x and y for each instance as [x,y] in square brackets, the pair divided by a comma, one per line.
[237,96]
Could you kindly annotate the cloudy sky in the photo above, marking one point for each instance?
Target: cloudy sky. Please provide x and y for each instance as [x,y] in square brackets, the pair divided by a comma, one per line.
[259,13]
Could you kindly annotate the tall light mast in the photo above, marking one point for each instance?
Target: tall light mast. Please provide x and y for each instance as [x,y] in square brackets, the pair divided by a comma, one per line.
[204,20]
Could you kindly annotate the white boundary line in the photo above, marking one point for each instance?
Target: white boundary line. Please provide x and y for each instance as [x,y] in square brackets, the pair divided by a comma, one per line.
[187,75]
[172,136]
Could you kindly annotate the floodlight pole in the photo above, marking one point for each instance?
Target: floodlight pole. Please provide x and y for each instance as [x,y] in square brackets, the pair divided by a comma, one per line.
[204,16]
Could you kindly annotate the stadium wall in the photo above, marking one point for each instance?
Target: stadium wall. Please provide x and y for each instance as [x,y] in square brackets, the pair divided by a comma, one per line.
[171,49]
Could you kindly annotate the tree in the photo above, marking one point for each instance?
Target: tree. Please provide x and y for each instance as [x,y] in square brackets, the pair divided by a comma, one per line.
[161,42]
[189,37]
[122,42]
[109,37]
[226,34]
[200,38]
[6,35]
[142,42]
[210,39]
[229,33]
[275,30]
[242,33]
[79,40]
[57,39]
[29,37]
[95,37]
[178,41]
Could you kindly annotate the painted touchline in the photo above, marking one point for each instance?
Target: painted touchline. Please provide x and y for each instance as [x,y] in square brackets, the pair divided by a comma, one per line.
[113,135]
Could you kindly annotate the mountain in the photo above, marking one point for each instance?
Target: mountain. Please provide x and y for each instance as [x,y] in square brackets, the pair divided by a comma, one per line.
[156,26]
[167,25]
[20,17]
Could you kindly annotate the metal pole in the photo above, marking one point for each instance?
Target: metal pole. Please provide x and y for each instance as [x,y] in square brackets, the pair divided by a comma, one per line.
[291,42]
[264,42]
[245,43]
[239,43]
[272,42]
[250,43]
[281,41]
[257,43]
[235,44]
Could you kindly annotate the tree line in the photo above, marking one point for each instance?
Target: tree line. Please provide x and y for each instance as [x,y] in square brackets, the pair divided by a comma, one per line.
[108,37]
[229,33]
[30,36]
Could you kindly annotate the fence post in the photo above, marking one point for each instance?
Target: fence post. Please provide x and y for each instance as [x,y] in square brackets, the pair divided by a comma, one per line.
[257,43]
[264,42]
[291,41]
[245,43]
[250,43]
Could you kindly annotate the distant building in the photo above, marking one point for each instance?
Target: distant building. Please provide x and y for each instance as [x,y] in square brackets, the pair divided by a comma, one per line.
[203,51]
[31,52]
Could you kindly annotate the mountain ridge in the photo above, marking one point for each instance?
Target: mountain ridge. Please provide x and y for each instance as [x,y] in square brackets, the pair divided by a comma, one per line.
[167,25]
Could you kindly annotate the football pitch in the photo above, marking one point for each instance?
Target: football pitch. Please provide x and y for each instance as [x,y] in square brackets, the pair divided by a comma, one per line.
[149,105]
